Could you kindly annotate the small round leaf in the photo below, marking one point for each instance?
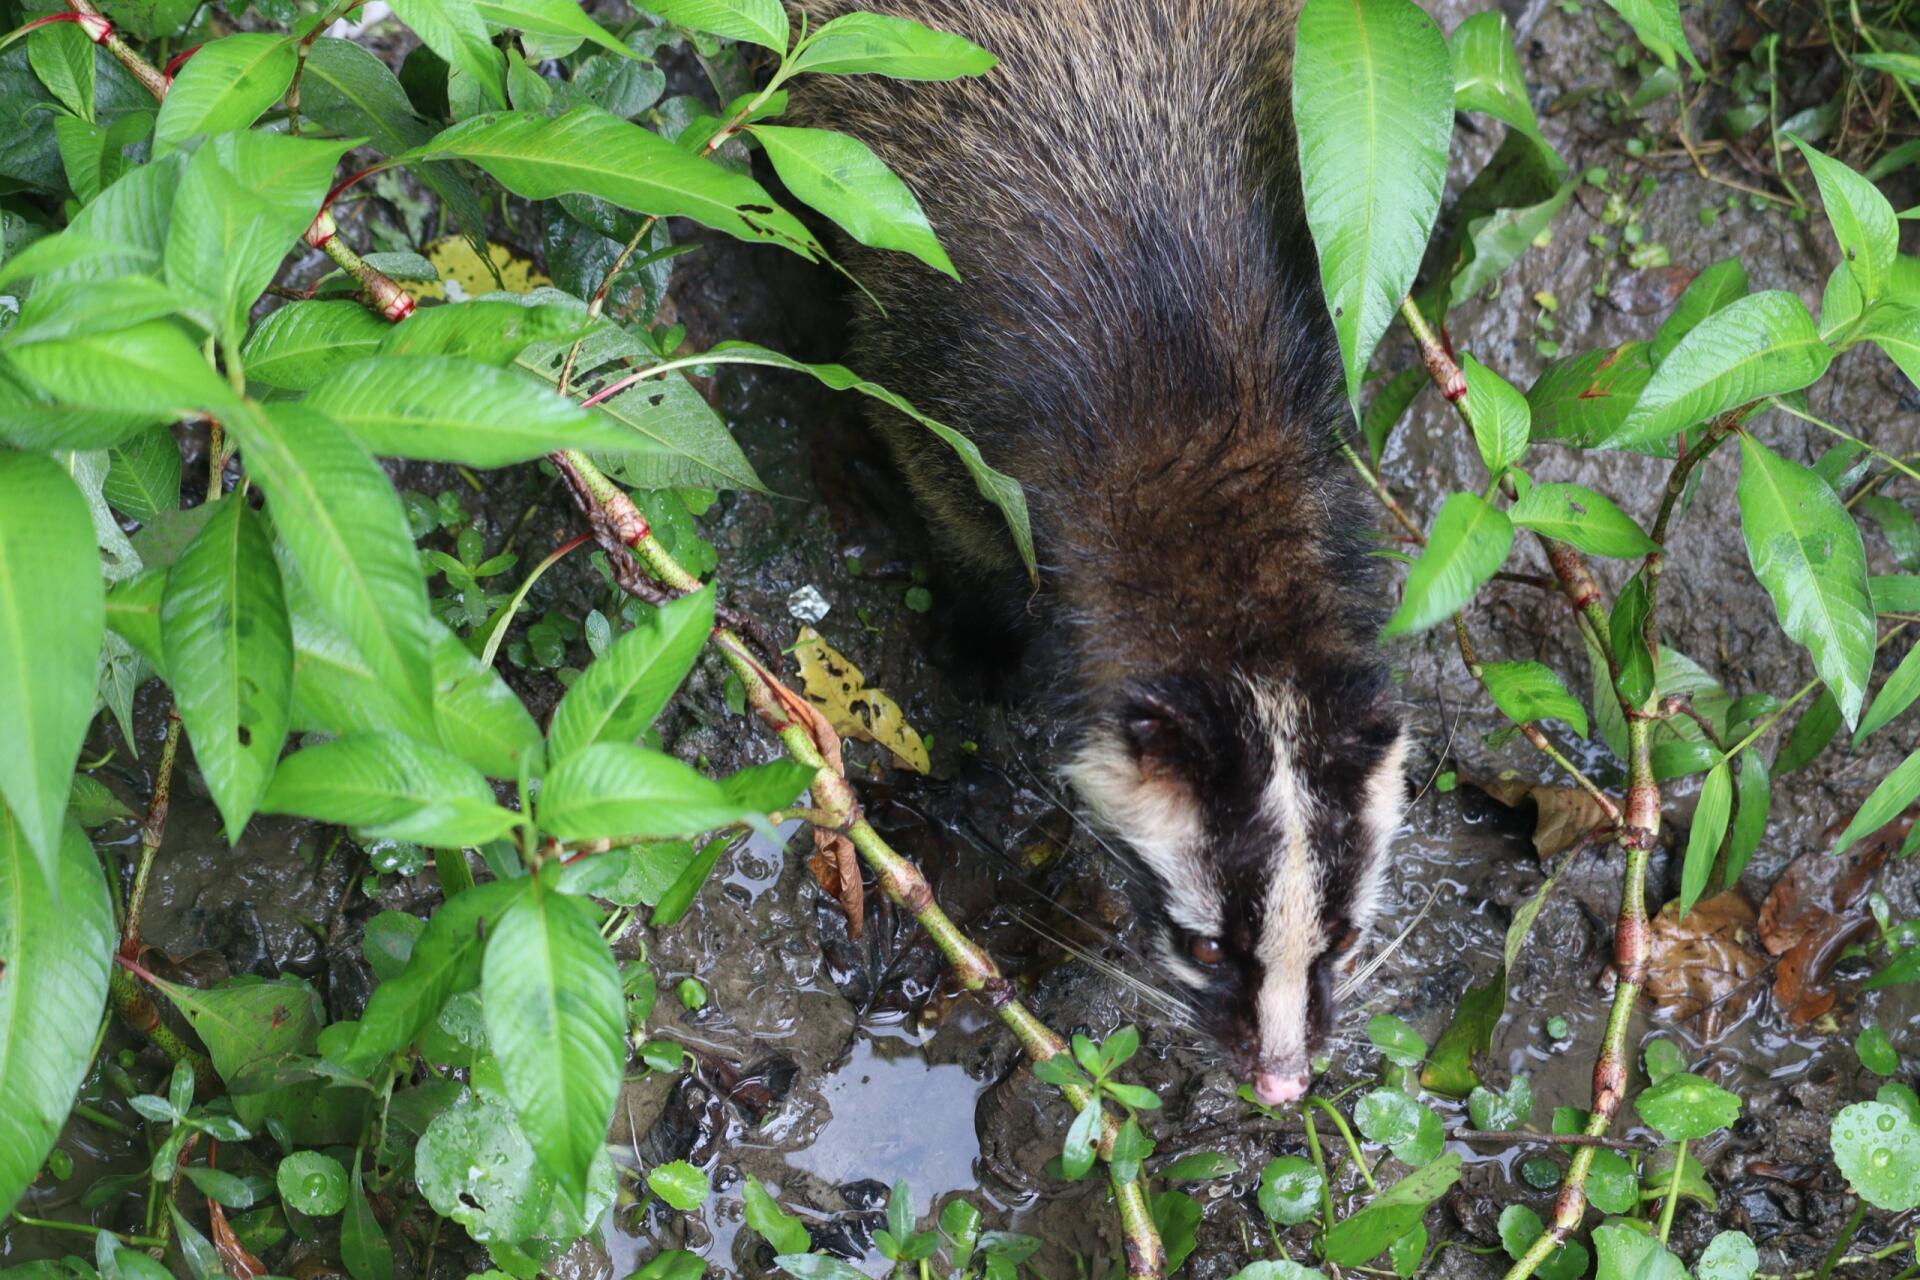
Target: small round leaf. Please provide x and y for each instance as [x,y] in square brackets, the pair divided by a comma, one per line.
[313,1183]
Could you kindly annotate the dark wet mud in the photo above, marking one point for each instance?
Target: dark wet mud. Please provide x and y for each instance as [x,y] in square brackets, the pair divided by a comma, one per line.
[829,1067]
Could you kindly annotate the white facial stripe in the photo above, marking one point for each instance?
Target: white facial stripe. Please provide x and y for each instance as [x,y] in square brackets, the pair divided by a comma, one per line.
[1385,805]
[1160,821]
[1291,935]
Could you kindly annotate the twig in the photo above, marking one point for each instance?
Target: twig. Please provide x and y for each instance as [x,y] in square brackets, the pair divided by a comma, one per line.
[153,829]
[1637,834]
[1517,1137]
[96,25]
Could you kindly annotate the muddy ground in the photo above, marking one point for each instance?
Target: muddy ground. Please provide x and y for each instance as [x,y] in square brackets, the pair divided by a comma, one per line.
[832,1067]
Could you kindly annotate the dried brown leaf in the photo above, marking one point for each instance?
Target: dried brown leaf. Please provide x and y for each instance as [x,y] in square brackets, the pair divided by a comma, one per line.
[1566,814]
[240,1264]
[1705,966]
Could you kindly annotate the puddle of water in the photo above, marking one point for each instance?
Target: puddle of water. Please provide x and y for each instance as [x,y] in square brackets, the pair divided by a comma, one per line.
[895,1114]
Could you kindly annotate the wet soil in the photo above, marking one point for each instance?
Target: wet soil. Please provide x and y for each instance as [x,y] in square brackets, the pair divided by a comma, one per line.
[830,1067]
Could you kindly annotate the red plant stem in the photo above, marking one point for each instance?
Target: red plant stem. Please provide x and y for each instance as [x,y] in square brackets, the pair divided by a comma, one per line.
[153,829]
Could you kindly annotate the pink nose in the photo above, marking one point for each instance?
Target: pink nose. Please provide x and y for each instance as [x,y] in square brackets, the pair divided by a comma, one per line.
[1274,1088]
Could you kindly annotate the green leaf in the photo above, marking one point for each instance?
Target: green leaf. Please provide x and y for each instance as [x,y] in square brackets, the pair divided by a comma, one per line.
[1897,526]
[817,1266]
[761,22]
[1806,550]
[56,944]
[1387,1116]
[1703,838]
[1895,696]
[143,478]
[62,56]
[1449,1068]
[880,44]
[364,1249]
[313,1183]
[1888,801]
[243,204]
[392,787]
[680,1184]
[133,612]
[780,1229]
[1467,546]
[556,1022]
[1528,691]
[1283,1269]
[678,899]
[1710,292]
[448,409]
[1373,108]
[1904,967]
[1760,345]
[1877,1146]
[445,961]
[1001,490]
[1487,75]
[1633,1253]
[1498,414]
[227,84]
[229,650]
[1862,221]
[1520,1227]
[297,346]
[1499,1110]
[480,719]
[454,30]
[340,520]
[1076,1156]
[589,152]
[555,19]
[1393,1037]
[841,177]
[152,372]
[1584,400]
[1201,1166]
[676,439]
[1685,1106]
[52,618]
[614,789]
[1876,1051]
[1393,1213]
[488,330]
[620,694]
[1657,24]
[1753,792]
[1583,518]
[1730,1255]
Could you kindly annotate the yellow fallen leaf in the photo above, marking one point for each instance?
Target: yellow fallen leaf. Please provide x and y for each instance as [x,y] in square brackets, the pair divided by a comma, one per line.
[463,274]
[836,686]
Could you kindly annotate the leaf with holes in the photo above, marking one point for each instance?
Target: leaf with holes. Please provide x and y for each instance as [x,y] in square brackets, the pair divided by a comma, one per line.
[229,650]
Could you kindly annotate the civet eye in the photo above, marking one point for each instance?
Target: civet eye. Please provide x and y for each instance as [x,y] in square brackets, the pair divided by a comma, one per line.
[1207,951]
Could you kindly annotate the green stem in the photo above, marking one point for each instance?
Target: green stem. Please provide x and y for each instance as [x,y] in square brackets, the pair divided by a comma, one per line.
[1673,1192]
[1826,426]
[1346,1133]
[50,1224]
[1320,1163]
[1845,1238]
